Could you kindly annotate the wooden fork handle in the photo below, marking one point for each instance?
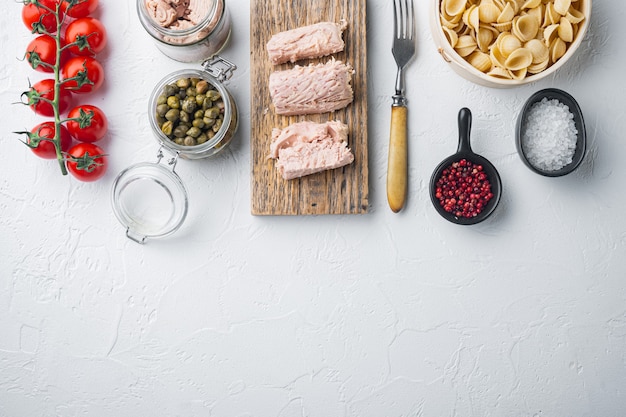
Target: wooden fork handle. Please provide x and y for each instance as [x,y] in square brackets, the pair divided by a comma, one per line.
[397,163]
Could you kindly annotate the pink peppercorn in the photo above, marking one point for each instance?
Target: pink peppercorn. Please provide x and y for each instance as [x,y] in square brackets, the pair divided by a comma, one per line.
[463,189]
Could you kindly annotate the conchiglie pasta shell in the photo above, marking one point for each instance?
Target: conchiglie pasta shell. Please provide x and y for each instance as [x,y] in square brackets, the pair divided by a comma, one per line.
[550,34]
[525,28]
[520,58]
[465,45]
[531,4]
[503,27]
[509,43]
[538,67]
[574,16]
[498,72]
[496,56]
[551,16]
[480,60]
[488,12]
[562,6]
[454,7]
[537,13]
[484,37]
[566,31]
[471,17]
[557,49]
[538,49]
[507,14]
[519,74]
[451,36]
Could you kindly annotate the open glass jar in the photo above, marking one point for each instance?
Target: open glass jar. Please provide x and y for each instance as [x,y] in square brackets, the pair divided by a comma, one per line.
[190,32]
[199,120]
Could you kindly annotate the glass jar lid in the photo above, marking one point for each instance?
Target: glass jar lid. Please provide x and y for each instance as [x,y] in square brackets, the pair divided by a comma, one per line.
[150,200]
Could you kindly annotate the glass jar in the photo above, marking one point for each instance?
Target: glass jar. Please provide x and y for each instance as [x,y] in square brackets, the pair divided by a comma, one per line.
[187,34]
[149,198]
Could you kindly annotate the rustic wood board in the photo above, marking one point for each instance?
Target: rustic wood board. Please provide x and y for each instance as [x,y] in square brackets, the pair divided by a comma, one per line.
[340,191]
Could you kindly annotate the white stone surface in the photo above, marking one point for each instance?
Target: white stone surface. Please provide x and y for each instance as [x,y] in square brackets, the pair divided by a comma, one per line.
[398,315]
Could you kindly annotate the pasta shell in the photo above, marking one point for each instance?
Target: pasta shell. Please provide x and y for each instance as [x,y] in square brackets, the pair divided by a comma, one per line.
[551,16]
[465,45]
[538,67]
[503,27]
[480,60]
[562,6]
[508,44]
[471,17]
[519,59]
[507,14]
[454,7]
[496,56]
[531,4]
[566,31]
[498,72]
[525,28]
[550,33]
[537,13]
[557,49]
[451,36]
[485,37]
[538,49]
[488,12]
[519,74]
[574,16]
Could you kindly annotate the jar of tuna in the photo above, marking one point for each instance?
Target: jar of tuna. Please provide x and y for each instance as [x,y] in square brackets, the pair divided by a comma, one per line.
[186,30]
[192,116]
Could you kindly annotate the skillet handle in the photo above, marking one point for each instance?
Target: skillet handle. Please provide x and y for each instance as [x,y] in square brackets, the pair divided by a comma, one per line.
[397,162]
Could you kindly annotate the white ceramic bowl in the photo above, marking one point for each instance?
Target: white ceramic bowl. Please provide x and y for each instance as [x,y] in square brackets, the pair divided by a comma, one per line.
[467,71]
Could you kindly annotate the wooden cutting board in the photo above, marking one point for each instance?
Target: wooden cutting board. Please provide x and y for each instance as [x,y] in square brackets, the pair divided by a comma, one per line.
[340,191]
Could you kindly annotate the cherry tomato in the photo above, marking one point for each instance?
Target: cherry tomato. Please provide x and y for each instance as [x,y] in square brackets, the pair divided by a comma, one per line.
[41,95]
[41,53]
[87,35]
[86,161]
[82,8]
[45,149]
[90,125]
[40,20]
[88,72]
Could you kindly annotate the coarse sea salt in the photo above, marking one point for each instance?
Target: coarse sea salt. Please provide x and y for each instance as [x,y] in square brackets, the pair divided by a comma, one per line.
[549,135]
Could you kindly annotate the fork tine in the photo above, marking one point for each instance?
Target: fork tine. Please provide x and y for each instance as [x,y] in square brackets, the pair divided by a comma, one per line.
[395,19]
[412,20]
[403,19]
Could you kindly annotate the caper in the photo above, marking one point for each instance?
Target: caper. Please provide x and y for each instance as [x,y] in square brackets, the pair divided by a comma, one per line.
[173,102]
[172,115]
[183,82]
[198,123]
[214,95]
[182,94]
[179,141]
[184,117]
[194,132]
[189,105]
[191,92]
[202,87]
[160,119]
[199,114]
[217,126]
[208,122]
[189,141]
[200,99]
[167,128]
[162,109]
[180,131]
[220,105]
[162,99]
[170,90]
[212,113]
[194,81]
[202,138]
[207,103]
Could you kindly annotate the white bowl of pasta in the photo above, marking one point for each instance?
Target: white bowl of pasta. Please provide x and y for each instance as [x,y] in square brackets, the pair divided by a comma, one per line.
[507,43]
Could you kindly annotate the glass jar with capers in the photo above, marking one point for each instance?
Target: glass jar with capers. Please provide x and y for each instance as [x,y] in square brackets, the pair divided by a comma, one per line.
[192,113]
[193,116]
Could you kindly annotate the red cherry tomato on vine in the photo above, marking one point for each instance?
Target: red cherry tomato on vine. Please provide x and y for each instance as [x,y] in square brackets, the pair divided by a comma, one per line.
[88,72]
[88,36]
[45,149]
[41,95]
[82,8]
[87,162]
[90,125]
[41,53]
[40,20]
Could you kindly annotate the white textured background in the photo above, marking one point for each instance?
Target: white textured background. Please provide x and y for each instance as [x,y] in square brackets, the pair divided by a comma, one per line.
[377,315]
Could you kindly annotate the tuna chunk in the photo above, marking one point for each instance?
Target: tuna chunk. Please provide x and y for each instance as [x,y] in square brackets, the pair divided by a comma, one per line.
[307,148]
[313,41]
[312,89]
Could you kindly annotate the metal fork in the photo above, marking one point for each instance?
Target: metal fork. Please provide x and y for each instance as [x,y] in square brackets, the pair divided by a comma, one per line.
[403,50]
